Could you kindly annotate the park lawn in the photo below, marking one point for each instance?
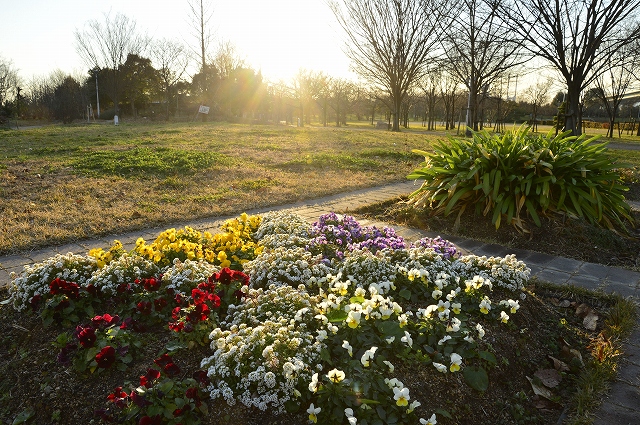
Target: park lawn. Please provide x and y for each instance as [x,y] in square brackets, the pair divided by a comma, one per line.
[63,183]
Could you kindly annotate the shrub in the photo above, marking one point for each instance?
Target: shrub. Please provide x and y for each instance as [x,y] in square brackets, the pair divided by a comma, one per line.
[517,175]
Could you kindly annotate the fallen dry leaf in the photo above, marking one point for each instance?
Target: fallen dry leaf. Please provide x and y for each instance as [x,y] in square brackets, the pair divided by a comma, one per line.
[540,390]
[550,377]
[558,364]
[582,310]
[590,321]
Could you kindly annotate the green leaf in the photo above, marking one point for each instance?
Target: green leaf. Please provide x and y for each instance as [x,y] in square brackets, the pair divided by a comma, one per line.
[24,416]
[356,300]
[175,345]
[443,412]
[533,213]
[405,293]
[335,316]
[486,355]
[390,328]
[292,406]
[476,377]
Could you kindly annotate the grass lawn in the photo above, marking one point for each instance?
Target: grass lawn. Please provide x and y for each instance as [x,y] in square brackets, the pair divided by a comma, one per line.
[61,183]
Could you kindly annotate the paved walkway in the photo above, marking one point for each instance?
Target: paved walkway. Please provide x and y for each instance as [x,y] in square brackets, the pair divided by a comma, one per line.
[622,405]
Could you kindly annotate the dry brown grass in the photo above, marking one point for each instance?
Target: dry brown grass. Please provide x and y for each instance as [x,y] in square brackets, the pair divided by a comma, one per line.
[59,184]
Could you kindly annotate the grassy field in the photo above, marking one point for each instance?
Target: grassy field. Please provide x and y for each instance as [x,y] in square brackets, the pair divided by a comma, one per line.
[62,183]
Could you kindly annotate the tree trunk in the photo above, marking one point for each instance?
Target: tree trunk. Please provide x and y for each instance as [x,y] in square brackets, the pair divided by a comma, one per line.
[397,104]
[572,120]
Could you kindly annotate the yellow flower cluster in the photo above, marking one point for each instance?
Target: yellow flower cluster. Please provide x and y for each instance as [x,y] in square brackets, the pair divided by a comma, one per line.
[104,257]
[231,248]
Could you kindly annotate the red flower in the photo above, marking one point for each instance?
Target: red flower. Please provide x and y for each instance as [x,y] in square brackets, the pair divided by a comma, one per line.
[105,320]
[147,379]
[92,290]
[123,287]
[180,412]
[60,286]
[200,313]
[163,360]
[146,420]
[86,336]
[226,276]
[159,303]
[118,397]
[176,326]
[139,400]
[150,284]
[35,301]
[198,296]
[202,377]
[144,307]
[106,357]
[215,300]
[193,394]
[171,369]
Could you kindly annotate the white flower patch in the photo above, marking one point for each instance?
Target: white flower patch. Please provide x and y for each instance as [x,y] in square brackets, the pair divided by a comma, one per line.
[182,277]
[283,266]
[278,303]
[35,279]
[282,223]
[369,271]
[123,270]
[269,362]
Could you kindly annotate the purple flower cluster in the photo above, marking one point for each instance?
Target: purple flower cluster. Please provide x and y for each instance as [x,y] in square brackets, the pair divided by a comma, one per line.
[439,245]
[332,236]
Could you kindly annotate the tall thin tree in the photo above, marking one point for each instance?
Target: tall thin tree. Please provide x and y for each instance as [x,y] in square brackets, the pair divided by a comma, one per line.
[479,49]
[571,35]
[106,45]
[390,42]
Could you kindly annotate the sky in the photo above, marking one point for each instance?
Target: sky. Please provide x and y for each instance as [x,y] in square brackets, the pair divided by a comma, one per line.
[277,37]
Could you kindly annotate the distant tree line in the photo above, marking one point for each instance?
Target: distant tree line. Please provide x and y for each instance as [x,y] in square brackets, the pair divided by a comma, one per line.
[444,61]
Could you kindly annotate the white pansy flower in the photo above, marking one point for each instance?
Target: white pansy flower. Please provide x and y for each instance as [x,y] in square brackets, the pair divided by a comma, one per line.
[407,339]
[430,421]
[348,347]
[389,365]
[401,396]
[313,412]
[440,367]
[456,361]
[480,330]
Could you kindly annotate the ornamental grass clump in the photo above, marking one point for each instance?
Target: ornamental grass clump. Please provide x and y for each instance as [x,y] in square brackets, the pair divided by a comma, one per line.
[516,176]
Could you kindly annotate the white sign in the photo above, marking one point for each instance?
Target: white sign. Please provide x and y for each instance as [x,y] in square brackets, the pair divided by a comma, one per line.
[203,109]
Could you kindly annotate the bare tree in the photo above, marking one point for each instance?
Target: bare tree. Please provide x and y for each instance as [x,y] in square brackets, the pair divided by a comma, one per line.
[571,35]
[227,59]
[449,93]
[8,80]
[170,60]
[612,85]
[200,14]
[389,42]
[429,87]
[537,95]
[479,49]
[107,45]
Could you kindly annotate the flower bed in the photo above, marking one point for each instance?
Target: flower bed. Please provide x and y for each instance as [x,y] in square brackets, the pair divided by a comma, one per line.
[298,317]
